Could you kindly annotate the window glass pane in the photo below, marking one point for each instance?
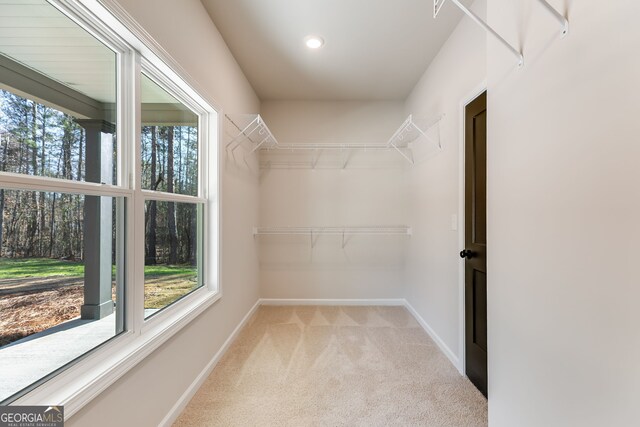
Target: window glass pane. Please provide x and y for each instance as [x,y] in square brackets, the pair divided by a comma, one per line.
[169,142]
[173,252]
[57,96]
[60,292]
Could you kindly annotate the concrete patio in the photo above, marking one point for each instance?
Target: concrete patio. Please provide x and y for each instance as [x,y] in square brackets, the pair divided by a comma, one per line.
[26,361]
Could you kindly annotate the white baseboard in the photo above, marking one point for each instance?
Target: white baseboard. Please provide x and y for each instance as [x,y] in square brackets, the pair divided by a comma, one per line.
[182,402]
[387,302]
[434,336]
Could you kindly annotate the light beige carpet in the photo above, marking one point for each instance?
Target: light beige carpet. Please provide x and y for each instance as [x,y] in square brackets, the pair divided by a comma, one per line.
[335,366]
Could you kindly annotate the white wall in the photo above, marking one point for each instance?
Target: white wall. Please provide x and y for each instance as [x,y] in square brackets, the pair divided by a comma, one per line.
[563,210]
[367,192]
[432,278]
[145,394]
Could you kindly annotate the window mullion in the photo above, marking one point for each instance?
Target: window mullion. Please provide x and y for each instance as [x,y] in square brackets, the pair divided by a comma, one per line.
[171,197]
[137,257]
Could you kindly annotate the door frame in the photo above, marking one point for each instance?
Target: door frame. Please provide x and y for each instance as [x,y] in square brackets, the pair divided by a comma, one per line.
[472,95]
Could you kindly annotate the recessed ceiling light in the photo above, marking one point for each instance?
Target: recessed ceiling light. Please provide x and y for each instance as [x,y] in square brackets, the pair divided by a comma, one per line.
[313,42]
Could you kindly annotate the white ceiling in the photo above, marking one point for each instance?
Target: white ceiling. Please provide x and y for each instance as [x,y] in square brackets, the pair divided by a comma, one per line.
[374,49]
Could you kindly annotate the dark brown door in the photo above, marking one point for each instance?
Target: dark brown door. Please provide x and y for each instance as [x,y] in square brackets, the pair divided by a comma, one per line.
[475,251]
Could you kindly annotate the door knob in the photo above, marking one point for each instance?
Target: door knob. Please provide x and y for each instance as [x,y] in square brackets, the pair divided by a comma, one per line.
[466,253]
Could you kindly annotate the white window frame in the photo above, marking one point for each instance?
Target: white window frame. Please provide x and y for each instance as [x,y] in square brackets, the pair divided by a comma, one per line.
[144,196]
[77,384]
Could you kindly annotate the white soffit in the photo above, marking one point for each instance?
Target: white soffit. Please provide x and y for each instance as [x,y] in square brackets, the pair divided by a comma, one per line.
[37,35]
[374,49]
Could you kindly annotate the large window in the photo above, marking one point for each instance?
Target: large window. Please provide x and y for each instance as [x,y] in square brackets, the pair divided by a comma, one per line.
[105,214]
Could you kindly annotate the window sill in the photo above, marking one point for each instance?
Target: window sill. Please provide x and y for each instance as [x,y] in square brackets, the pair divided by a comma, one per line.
[79,384]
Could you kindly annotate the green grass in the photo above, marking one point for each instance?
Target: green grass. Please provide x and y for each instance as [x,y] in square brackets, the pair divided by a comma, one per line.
[20,268]
[168,270]
[38,267]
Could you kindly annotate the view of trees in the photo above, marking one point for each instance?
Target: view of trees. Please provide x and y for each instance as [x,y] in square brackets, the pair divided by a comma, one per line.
[170,163]
[39,140]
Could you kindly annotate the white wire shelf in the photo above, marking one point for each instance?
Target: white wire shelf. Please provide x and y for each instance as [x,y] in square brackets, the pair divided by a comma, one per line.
[332,146]
[254,133]
[330,159]
[327,165]
[385,230]
[314,232]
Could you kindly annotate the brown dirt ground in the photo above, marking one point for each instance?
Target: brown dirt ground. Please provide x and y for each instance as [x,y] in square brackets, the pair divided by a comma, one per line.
[26,314]
[36,304]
